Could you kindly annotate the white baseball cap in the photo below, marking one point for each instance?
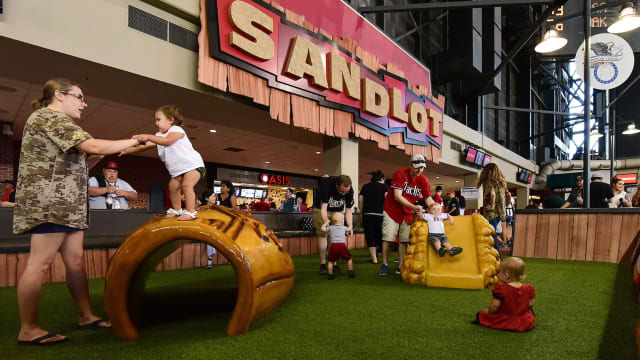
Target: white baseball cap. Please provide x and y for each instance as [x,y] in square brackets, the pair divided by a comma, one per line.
[418,161]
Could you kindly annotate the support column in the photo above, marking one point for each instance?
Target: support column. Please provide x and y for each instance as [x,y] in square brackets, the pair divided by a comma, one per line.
[522,197]
[341,158]
[472,181]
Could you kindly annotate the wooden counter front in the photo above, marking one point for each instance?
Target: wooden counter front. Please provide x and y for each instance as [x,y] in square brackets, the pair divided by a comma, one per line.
[607,235]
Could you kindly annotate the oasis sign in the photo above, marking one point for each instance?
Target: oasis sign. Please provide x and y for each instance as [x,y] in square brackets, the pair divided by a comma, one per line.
[256,37]
[275,179]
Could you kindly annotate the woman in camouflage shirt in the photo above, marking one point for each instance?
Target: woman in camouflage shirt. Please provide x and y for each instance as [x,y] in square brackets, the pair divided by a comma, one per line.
[494,187]
[51,202]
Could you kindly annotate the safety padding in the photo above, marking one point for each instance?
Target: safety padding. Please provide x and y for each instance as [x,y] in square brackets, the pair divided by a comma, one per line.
[475,268]
[264,270]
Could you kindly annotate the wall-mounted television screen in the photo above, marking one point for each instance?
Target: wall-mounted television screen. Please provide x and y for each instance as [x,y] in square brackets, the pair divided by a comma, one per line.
[479,158]
[217,189]
[471,155]
[237,191]
[487,160]
[529,178]
[247,193]
[259,194]
[522,176]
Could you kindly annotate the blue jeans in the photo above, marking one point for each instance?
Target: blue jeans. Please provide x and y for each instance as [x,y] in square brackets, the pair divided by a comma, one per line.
[494,223]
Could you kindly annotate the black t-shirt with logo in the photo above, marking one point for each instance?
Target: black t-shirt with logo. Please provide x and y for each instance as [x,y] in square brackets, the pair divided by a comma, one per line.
[328,193]
[598,193]
[453,202]
[374,194]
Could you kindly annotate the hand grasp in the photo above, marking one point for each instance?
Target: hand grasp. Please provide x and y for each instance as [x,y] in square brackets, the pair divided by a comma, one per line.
[142,139]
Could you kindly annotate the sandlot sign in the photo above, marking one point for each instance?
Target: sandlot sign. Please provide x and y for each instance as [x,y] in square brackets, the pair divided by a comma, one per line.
[257,38]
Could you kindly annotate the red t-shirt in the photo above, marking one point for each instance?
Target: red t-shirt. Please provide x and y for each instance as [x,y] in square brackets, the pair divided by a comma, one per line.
[437,198]
[412,190]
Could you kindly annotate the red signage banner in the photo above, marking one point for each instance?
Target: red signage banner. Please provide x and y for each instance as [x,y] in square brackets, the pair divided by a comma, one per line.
[256,37]
[273,179]
[628,178]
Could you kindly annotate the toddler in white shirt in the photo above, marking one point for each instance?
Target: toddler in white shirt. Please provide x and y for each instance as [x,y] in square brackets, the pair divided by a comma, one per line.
[435,219]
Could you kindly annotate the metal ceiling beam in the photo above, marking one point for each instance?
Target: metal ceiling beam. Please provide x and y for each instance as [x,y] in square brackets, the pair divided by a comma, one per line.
[563,86]
[429,22]
[522,41]
[548,112]
[618,96]
[450,5]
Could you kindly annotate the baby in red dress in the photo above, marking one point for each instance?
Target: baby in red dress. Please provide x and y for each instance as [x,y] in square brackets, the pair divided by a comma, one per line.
[512,305]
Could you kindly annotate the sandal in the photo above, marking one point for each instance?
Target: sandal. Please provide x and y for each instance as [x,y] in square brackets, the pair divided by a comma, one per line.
[173,213]
[40,341]
[191,215]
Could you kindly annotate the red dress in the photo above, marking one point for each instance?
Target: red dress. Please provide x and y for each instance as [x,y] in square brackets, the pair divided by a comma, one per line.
[514,313]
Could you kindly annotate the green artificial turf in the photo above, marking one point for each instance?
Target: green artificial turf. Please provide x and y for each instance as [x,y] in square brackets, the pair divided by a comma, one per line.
[584,311]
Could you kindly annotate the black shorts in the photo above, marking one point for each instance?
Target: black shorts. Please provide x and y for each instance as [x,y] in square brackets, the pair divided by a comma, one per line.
[372,229]
[49,228]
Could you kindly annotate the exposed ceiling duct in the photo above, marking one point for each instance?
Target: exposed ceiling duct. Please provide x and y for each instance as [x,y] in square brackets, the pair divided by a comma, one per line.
[551,167]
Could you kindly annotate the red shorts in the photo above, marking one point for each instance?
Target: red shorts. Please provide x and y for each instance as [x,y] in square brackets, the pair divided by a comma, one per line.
[339,251]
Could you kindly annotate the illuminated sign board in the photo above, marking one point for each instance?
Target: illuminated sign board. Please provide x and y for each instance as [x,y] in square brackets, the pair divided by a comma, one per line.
[572,29]
[256,37]
[628,178]
[272,179]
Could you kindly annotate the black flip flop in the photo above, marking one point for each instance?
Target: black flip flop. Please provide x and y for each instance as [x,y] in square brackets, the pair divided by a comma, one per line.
[95,325]
[39,340]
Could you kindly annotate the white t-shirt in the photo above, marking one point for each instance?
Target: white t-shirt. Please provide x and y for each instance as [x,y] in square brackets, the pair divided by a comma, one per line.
[436,224]
[615,202]
[181,156]
[99,202]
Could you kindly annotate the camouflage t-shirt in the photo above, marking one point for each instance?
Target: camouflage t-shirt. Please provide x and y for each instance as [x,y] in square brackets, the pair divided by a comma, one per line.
[53,175]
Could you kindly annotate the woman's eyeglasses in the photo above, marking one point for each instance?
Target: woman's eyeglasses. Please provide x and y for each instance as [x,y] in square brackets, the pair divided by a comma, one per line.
[77,96]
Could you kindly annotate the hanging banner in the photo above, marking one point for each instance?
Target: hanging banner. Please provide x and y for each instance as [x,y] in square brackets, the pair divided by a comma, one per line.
[610,61]
[469,193]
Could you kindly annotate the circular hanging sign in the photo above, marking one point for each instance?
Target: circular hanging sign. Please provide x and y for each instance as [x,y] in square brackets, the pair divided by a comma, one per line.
[610,59]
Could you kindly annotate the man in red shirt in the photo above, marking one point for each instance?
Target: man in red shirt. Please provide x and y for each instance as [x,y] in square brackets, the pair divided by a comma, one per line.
[408,186]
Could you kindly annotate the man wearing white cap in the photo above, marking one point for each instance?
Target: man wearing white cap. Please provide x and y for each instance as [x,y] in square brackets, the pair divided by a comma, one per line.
[407,187]
[600,193]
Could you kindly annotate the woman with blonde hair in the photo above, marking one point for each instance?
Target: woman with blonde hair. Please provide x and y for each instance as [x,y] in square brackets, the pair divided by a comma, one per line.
[52,202]
[494,187]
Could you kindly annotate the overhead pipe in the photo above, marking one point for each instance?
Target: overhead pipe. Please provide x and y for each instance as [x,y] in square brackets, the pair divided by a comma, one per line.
[551,167]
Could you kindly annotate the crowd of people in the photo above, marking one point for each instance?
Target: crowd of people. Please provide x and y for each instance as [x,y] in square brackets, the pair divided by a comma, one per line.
[601,195]
[53,185]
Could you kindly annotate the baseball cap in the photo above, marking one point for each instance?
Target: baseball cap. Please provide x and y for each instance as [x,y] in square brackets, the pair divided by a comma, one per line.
[451,192]
[597,175]
[418,161]
[111,165]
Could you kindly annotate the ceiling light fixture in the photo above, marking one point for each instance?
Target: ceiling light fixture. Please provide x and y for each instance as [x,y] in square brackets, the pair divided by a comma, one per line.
[267,162]
[631,129]
[628,19]
[318,152]
[551,41]
[212,130]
